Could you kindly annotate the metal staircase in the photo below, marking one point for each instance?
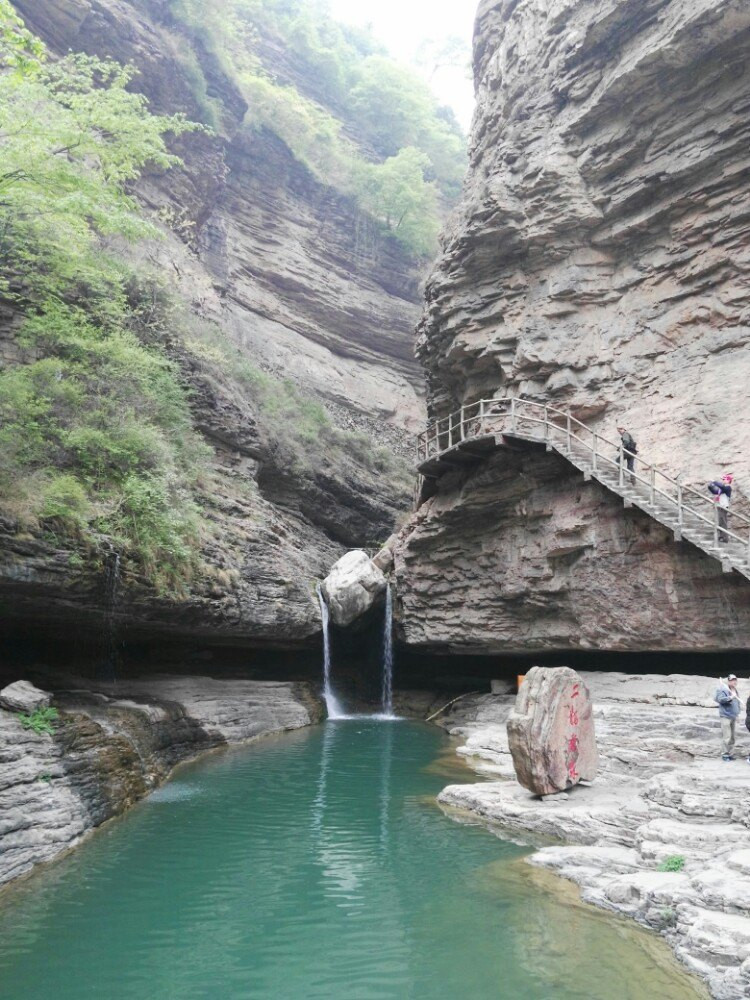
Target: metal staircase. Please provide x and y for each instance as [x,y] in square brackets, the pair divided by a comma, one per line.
[475,430]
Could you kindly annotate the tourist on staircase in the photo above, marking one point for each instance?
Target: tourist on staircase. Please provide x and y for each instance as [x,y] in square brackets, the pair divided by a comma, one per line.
[628,451]
[728,701]
[722,492]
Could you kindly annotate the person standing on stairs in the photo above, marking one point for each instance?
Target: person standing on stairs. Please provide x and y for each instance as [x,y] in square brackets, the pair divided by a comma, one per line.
[722,491]
[628,450]
[728,701]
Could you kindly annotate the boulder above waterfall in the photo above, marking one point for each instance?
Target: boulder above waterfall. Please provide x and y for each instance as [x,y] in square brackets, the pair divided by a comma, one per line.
[352,587]
[551,731]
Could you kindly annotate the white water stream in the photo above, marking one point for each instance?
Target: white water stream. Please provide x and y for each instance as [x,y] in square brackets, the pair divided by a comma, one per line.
[333,705]
[387,697]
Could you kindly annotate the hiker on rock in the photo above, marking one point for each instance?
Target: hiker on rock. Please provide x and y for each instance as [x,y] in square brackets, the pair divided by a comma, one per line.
[628,450]
[722,493]
[728,701]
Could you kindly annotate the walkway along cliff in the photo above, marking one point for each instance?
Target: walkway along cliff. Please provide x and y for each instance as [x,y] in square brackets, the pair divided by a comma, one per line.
[598,264]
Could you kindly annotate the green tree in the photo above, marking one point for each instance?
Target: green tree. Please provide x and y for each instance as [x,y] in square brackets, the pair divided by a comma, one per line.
[95,430]
[335,99]
[397,193]
[19,49]
[392,103]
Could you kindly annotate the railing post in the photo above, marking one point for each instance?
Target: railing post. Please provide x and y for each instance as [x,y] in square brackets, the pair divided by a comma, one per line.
[546,426]
[653,486]
[716,525]
[567,430]
[622,467]
[513,414]
[593,454]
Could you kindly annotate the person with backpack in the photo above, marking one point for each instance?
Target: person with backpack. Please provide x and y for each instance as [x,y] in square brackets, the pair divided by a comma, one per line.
[722,494]
[728,700]
[628,451]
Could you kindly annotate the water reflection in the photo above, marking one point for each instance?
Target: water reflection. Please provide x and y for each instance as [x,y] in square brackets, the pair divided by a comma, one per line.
[314,866]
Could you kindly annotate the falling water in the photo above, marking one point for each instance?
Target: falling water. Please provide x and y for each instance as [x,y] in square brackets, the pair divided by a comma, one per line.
[387,698]
[335,710]
[112,594]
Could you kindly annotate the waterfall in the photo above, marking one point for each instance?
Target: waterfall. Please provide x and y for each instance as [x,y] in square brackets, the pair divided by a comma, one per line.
[332,703]
[387,697]
[112,594]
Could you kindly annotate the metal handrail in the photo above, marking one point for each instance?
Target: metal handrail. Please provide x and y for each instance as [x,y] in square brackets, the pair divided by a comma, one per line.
[481,418]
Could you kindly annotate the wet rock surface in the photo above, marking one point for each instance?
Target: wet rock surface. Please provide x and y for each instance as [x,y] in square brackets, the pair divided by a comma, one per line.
[551,731]
[115,743]
[662,798]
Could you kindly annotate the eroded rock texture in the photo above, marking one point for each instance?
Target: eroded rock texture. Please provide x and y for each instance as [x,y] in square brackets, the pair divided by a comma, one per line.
[662,794]
[113,746]
[309,289]
[551,731]
[599,261]
[524,555]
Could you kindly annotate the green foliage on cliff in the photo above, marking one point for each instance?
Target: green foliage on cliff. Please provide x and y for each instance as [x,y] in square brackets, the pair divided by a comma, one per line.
[298,429]
[352,115]
[95,431]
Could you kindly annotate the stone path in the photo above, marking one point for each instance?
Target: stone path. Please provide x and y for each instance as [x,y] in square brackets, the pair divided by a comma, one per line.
[662,792]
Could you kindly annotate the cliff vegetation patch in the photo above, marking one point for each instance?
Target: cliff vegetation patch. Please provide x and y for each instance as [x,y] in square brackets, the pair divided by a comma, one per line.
[370,127]
[95,431]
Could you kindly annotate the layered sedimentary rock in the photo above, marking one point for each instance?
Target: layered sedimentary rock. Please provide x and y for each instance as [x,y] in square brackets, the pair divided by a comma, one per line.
[308,288]
[551,731]
[522,554]
[663,800]
[599,262]
[112,746]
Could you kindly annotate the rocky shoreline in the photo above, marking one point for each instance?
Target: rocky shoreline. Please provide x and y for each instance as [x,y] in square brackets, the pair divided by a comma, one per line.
[113,744]
[662,793]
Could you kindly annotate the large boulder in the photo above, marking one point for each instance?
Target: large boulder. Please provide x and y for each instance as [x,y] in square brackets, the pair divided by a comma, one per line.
[352,587]
[21,696]
[551,731]
[384,558]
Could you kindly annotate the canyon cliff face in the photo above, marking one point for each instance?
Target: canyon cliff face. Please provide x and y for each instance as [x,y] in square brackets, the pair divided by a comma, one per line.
[598,262]
[308,288]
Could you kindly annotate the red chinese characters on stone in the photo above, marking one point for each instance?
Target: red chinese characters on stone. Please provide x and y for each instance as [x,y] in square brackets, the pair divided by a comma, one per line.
[571,755]
[551,731]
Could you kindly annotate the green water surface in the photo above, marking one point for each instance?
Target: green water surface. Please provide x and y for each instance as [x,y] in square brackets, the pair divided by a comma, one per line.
[314,865]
